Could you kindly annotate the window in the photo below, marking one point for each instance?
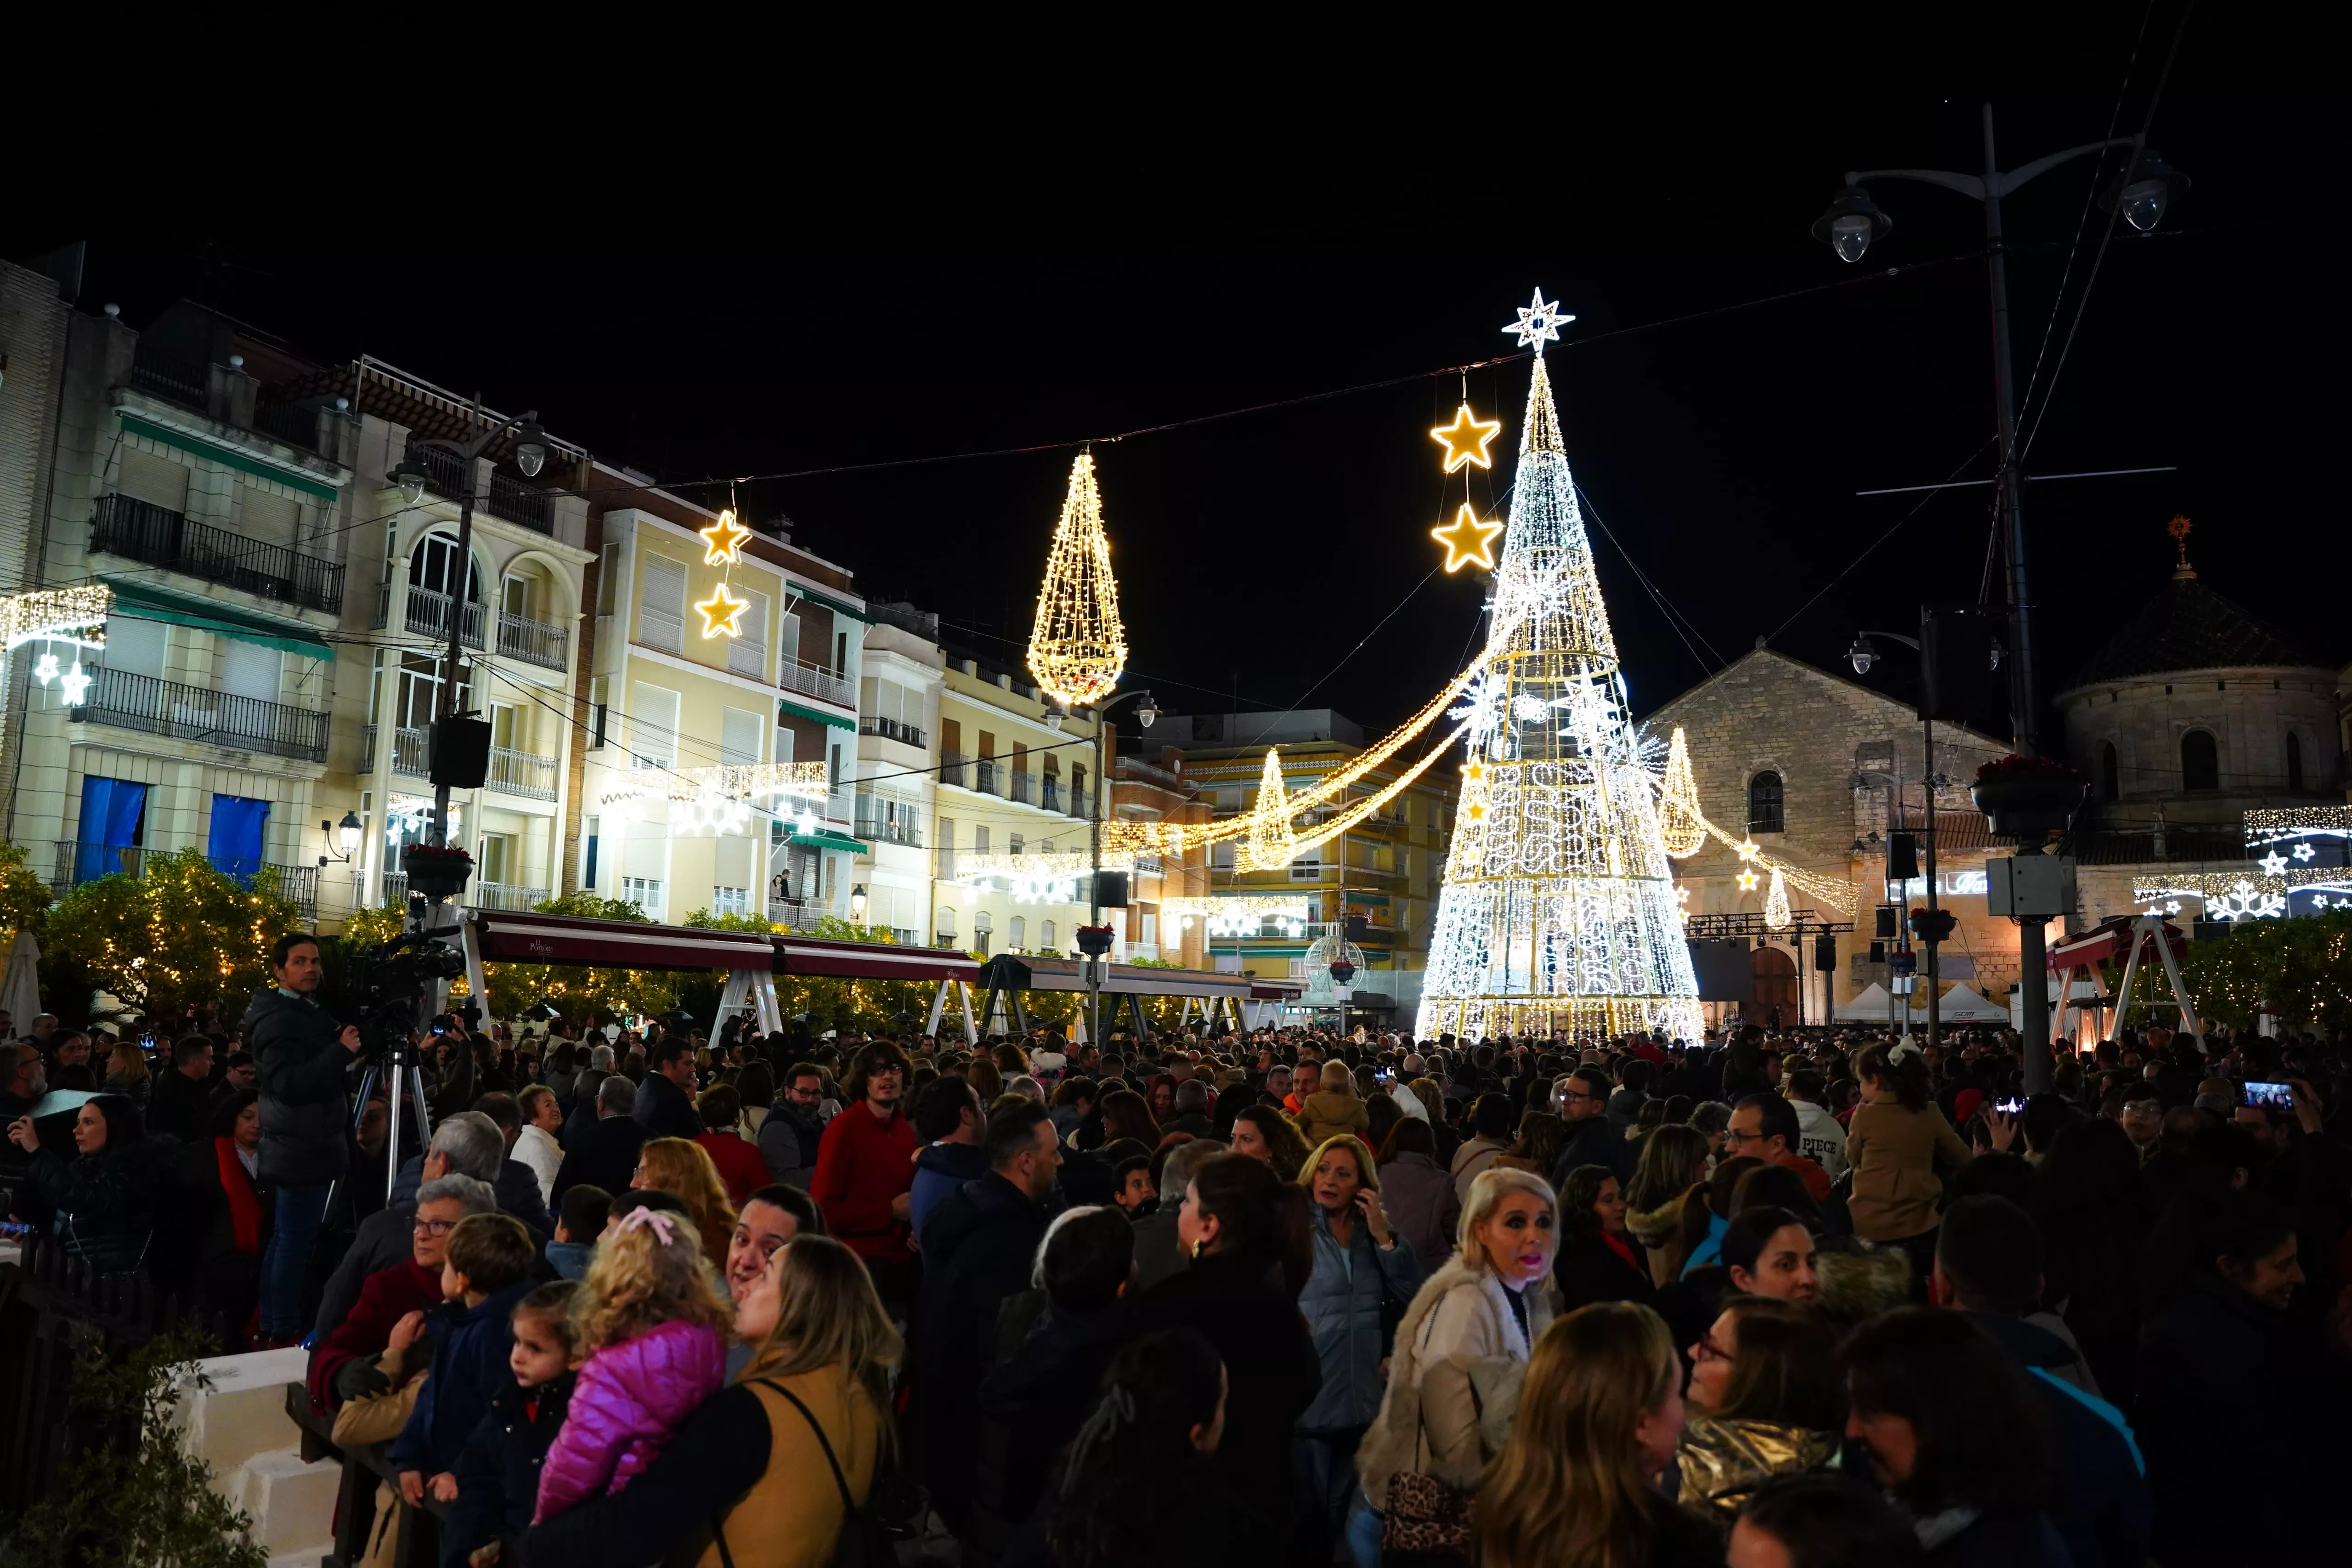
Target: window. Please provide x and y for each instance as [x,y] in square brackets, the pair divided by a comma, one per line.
[947,849]
[502,728]
[1019,934]
[1221,855]
[608,579]
[979,840]
[661,624]
[645,892]
[841,654]
[739,736]
[1764,814]
[2200,761]
[434,568]
[496,857]
[514,596]
[1016,845]
[652,726]
[1151,928]
[747,654]
[945,926]
[599,706]
[730,900]
[788,637]
[2110,773]
[247,670]
[592,837]
[1045,935]
[983,925]
[2294,762]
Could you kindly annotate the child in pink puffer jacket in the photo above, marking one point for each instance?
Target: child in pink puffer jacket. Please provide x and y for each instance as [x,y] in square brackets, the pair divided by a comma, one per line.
[652,1322]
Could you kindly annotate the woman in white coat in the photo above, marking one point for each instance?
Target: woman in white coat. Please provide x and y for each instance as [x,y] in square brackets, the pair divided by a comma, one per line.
[1462,1348]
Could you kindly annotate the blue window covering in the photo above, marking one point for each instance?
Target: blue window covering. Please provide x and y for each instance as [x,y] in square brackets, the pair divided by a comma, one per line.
[235,849]
[110,810]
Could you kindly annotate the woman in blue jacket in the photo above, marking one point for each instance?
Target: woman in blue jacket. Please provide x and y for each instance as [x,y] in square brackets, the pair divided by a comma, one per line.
[1359,1264]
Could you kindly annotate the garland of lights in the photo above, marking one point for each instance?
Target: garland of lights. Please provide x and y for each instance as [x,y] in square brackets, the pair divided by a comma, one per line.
[2265,828]
[1558,910]
[1078,649]
[76,617]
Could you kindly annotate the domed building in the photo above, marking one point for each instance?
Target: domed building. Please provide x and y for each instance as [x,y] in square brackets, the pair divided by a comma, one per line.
[2194,713]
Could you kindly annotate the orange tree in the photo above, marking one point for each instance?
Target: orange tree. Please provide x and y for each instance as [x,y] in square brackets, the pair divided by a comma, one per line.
[181,936]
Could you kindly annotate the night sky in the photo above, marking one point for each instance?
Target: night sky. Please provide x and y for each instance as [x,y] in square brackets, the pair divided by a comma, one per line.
[1720,441]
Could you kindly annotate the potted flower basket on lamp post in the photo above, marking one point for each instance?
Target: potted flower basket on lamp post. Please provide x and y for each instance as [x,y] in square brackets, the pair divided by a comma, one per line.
[436,871]
[2028,798]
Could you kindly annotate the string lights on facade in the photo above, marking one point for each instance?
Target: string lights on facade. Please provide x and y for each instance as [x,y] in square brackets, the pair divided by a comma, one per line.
[1078,650]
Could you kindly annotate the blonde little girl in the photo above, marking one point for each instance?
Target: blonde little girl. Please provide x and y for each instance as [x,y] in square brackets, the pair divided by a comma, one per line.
[652,1323]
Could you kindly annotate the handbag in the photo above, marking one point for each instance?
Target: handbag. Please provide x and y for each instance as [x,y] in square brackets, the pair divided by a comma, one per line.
[1426,1517]
[864,1542]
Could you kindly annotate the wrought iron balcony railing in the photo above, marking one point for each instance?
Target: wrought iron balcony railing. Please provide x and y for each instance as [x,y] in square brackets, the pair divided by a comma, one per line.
[162,537]
[143,703]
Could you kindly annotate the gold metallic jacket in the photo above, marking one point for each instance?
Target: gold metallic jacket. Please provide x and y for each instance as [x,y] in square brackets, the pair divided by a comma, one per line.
[1722,1461]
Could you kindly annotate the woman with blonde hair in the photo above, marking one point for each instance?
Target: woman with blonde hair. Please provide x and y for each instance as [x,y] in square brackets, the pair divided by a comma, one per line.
[765,1472]
[681,1165]
[126,1073]
[1599,1416]
[1673,1160]
[1481,1313]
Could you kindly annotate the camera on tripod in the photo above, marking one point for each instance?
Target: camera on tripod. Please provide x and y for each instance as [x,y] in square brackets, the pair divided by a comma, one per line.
[387,984]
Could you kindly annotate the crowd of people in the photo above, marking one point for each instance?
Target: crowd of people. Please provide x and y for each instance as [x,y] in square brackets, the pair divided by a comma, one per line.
[1807,1297]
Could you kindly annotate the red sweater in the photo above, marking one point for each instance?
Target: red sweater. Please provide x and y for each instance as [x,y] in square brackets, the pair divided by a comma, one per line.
[740,1165]
[862,1164]
[387,1297]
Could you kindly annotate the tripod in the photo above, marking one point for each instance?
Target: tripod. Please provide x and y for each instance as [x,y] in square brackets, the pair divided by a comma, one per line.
[408,1076]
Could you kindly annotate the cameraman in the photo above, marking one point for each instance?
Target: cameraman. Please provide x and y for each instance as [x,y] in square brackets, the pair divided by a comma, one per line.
[303,1055]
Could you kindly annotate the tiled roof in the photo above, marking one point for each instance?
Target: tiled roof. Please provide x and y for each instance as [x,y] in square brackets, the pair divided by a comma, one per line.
[2189,626]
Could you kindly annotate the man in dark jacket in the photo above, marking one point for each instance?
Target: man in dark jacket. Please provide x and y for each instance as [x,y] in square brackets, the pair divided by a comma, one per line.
[1989,1265]
[978,1244]
[302,1055]
[181,1103]
[1592,1138]
[605,1155]
[790,1136]
[664,1104]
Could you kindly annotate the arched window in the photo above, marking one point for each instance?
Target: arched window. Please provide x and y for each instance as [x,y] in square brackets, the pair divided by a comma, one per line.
[984,926]
[1047,941]
[946,926]
[1764,804]
[2200,761]
[434,567]
[2294,762]
[2110,773]
[1018,934]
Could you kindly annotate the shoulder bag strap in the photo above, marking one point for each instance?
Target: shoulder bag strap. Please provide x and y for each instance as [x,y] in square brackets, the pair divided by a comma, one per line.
[848,1505]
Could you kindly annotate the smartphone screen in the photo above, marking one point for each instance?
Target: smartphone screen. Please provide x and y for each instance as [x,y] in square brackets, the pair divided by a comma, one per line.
[2280,1096]
[2008,1107]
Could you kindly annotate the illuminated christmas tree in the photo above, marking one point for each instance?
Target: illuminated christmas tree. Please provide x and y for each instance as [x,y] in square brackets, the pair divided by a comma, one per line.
[1558,913]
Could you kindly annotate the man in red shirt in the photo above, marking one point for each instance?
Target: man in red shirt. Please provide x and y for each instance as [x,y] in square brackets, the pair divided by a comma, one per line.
[866,1171]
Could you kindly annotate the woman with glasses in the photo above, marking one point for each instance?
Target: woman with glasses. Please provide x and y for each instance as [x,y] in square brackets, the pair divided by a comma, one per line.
[1765,1400]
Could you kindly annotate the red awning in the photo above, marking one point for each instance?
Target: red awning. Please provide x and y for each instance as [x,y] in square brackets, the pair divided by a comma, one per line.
[2108,939]
[1276,990]
[870,961]
[571,938]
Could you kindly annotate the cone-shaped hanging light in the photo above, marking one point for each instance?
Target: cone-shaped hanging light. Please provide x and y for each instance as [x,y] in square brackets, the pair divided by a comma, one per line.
[1078,650]
[1269,847]
[1678,816]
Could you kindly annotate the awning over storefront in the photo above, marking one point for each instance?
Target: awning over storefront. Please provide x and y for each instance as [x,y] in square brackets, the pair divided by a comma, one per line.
[1018,972]
[570,938]
[809,955]
[825,838]
[1276,991]
[817,715]
[142,602]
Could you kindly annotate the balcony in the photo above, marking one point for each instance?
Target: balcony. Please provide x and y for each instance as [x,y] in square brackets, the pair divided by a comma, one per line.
[955,769]
[525,773]
[812,680]
[78,862]
[288,422]
[885,829]
[408,750]
[1025,787]
[506,896]
[144,531]
[1051,798]
[542,642]
[173,379]
[796,914]
[428,615]
[892,730]
[447,474]
[987,777]
[143,703]
[518,503]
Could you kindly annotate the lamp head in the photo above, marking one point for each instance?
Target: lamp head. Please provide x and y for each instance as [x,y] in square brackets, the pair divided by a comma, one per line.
[1851,224]
[531,446]
[347,833]
[410,476]
[857,903]
[1148,712]
[1862,655]
[2144,190]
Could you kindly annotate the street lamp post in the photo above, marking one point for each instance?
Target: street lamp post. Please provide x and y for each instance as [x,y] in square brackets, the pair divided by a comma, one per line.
[530,456]
[1147,714]
[2140,194]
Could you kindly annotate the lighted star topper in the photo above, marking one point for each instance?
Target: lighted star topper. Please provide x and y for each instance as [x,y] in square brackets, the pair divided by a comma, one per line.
[1538,324]
[1469,540]
[1465,440]
[74,684]
[722,541]
[722,613]
[1747,880]
[2274,864]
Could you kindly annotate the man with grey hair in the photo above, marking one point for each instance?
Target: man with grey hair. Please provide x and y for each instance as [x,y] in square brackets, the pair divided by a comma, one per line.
[604,1154]
[600,1059]
[468,1145]
[1157,1254]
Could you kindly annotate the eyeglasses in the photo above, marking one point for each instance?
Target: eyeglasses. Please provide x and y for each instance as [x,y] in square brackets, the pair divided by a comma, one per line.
[1576,1094]
[1733,1135]
[1708,1350]
[435,1227]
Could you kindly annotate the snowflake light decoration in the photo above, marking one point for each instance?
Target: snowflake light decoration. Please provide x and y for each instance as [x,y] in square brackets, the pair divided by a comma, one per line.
[2244,901]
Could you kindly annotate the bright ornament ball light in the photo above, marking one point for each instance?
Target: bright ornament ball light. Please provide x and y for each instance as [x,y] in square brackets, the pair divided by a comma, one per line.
[1078,649]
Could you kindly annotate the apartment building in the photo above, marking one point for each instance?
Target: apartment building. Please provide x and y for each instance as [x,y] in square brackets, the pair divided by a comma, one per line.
[899,700]
[1385,871]
[717,771]
[1148,791]
[1014,798]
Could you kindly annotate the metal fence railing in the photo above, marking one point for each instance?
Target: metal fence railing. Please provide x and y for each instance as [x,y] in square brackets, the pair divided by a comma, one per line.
[157,707]
[542,643]
[525,773]
[162,537]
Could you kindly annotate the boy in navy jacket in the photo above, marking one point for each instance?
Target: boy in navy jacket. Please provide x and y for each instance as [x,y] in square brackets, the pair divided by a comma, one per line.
[497,1474]
[486,1271]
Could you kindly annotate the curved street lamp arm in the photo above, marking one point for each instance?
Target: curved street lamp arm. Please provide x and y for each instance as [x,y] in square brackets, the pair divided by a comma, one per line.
[1974,186]
[2024,174]
[479,444]
[1897,636]
[1968,186]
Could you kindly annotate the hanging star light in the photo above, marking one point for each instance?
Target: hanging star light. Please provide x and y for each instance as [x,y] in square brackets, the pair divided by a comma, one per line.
[45,670]
[1747,880]
[722,613]
[1466,439]
[1078,649]
[74,684]
[1538,324]
[1748,850]
[2303,852]
[722,541]
[2273,864]
[1469,541]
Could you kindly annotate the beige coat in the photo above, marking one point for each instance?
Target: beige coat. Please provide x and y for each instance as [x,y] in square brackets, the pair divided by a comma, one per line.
[1458,1344]
[1896,1193]
[1327,1113]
